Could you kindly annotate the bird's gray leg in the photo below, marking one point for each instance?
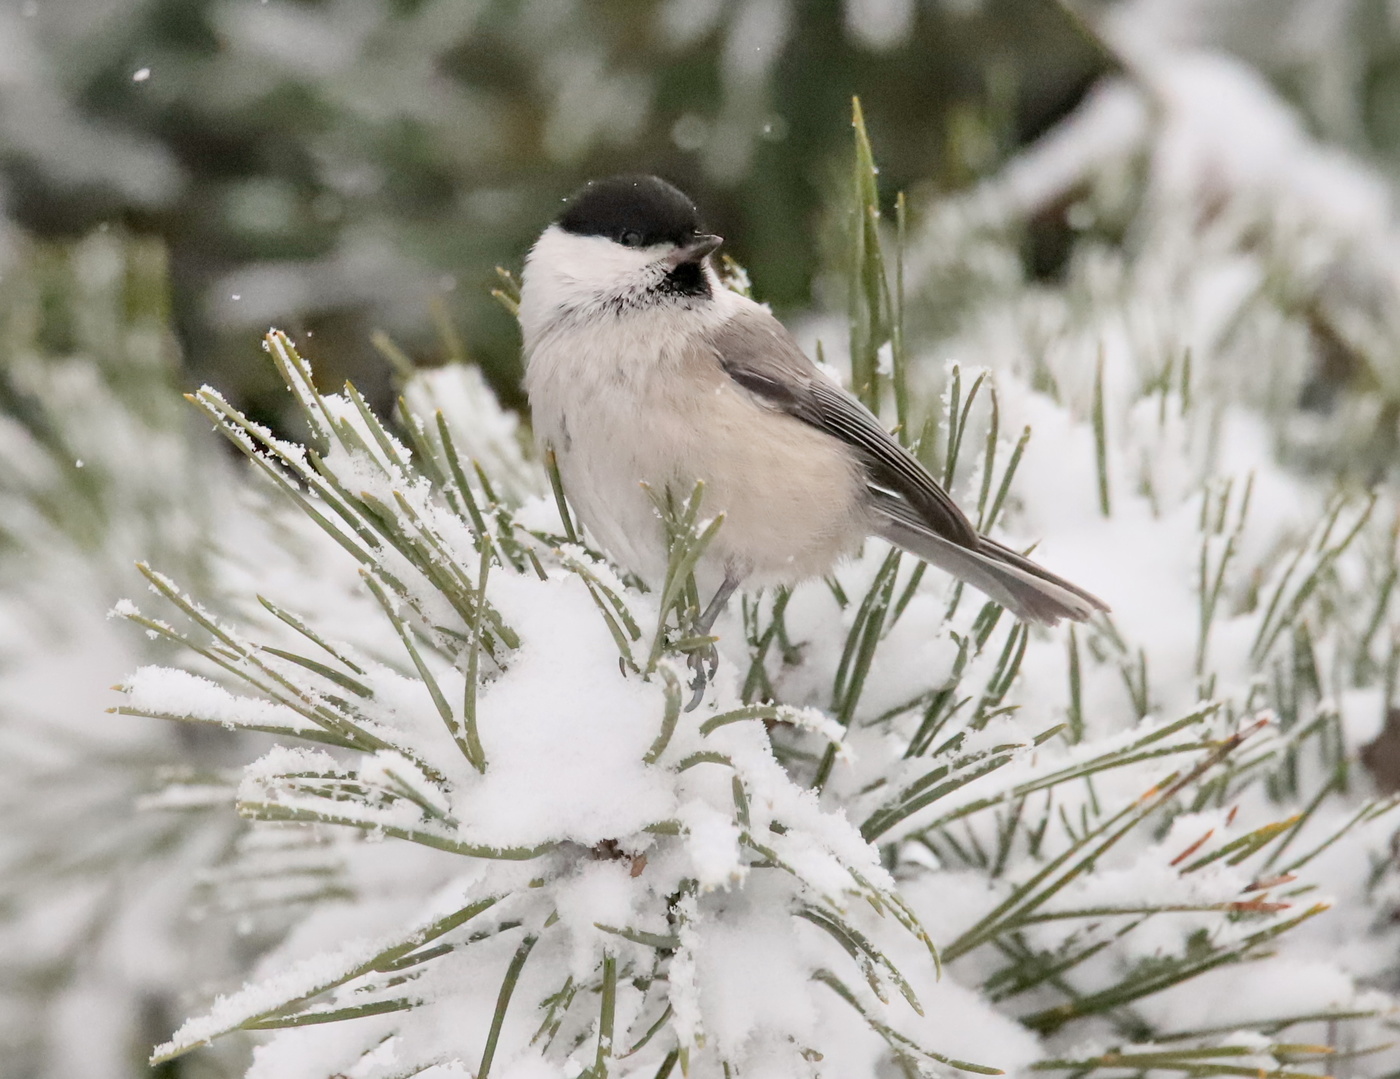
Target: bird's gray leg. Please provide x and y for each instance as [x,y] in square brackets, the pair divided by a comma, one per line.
[709,656]
[716,605]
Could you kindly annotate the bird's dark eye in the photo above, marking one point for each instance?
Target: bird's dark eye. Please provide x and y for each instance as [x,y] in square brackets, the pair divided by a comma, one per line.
[630,238]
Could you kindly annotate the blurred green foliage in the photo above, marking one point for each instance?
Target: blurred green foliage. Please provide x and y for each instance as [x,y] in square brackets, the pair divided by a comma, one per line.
[333,167]
[336,166]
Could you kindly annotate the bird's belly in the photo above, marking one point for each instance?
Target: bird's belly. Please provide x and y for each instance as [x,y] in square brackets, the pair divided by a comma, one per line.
[792,496]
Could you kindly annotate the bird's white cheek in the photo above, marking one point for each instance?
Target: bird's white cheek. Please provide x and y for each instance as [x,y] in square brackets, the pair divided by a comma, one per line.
[566,273]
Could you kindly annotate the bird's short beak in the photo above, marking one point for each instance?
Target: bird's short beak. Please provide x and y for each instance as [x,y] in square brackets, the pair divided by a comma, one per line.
[695,251]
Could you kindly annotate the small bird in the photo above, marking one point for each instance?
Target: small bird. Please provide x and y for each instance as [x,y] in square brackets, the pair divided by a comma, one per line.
[644,371]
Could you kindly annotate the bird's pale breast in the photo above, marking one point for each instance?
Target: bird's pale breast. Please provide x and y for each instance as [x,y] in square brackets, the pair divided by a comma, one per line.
[667,416]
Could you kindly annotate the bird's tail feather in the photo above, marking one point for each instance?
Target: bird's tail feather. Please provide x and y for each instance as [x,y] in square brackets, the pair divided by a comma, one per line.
[1028,591]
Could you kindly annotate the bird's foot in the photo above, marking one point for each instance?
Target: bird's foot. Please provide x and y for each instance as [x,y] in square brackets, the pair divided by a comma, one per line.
[704,661]
[707,655]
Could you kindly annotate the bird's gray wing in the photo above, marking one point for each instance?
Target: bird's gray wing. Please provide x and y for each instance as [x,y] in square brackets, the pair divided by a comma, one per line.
[758,353]
[1025,588]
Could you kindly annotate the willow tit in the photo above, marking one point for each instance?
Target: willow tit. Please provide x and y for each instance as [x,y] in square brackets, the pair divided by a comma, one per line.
[643,370]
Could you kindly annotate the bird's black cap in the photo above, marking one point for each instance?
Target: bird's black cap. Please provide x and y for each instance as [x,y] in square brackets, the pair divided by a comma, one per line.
[637,211]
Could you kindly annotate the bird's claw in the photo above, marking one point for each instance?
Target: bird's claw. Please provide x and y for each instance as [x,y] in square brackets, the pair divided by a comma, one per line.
[700,659]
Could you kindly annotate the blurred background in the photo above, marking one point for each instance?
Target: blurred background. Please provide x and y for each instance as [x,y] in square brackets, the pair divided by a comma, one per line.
[338,166]
[332,167]
[178,175]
